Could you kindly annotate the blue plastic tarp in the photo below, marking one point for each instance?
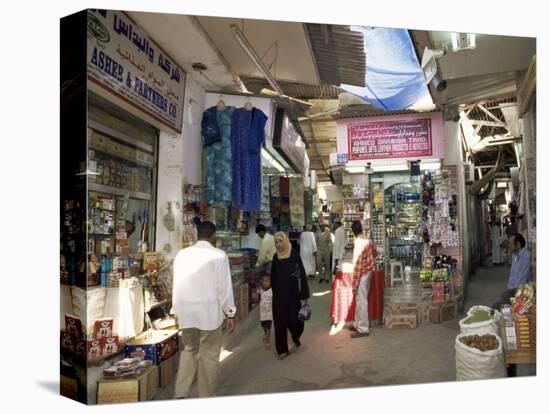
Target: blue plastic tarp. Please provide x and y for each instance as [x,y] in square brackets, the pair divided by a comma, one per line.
[394,79]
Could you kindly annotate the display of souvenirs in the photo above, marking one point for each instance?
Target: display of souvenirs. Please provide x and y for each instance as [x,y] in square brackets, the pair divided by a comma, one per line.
[443,220]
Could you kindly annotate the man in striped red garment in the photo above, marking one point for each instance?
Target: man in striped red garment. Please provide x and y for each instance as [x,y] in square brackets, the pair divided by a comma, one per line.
[364,256]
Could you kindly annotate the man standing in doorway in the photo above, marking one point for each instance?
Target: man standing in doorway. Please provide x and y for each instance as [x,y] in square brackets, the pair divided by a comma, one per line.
[202,297]
[364,255]
[267,249]
[340,241]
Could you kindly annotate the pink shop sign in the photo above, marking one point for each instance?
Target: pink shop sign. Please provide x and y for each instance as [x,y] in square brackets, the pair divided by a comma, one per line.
[398,138]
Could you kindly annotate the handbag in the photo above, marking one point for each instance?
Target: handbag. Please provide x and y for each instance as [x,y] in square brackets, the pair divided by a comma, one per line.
[304,313]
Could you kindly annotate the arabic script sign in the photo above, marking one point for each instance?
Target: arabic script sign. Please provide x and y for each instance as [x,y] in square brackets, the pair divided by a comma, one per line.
[125,61]
[390,139]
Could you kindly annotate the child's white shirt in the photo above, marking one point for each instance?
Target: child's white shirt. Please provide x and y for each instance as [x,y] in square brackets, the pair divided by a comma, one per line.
[266,303]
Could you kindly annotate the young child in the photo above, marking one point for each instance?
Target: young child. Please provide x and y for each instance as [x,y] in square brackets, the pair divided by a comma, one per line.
[266,313]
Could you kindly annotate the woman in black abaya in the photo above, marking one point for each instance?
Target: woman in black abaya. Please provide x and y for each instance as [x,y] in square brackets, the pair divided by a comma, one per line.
[289,284]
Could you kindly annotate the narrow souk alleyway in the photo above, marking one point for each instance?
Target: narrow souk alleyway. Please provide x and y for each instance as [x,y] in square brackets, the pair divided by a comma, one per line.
[332,360]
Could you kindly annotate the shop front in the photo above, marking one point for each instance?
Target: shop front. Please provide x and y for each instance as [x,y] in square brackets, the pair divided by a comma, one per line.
[397,184]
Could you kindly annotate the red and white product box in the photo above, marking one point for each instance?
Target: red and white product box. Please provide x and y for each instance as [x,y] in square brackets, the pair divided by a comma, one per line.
[67,341]
[103,328]
[94,349]
[111,345]
[73,325]
[80,347]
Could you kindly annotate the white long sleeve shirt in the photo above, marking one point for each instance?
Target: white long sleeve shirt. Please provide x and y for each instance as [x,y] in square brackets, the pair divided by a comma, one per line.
[267,250]
[339,244]
[202,291]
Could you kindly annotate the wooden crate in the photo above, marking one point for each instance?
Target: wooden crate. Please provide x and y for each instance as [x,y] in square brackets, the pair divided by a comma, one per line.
[402,308]
[401,321]
[428,312]
[448,311]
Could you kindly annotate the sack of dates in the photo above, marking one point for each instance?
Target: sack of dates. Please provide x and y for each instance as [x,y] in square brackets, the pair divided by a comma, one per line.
[479,357]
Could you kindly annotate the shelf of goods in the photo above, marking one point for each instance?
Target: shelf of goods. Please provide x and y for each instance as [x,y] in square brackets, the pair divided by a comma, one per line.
[121,166]
[356,207]
[245,277]
[519,327]
[402,209]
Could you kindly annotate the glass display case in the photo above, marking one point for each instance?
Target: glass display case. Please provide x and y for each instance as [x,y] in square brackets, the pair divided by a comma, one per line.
[403,217]
[228,241]
[121,197]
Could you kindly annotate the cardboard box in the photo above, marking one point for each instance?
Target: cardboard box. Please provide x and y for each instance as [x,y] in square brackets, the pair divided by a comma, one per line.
[103,328]
[118,391]
[168,370]
[80,347]
[94,348]
[67,341]
[73,325]
[111,345]
[159,347]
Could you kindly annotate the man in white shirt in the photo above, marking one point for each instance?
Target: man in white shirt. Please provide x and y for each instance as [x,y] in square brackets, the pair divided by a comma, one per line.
[202,297]
[308,251]
[267,248]
[340,240]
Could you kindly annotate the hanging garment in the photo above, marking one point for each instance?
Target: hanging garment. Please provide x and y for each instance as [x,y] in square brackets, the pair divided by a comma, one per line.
[247,137]
[219,176]
[307,249]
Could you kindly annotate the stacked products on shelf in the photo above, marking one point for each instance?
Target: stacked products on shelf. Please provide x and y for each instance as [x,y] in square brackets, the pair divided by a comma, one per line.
[520,319]
[101,343]
[436,278]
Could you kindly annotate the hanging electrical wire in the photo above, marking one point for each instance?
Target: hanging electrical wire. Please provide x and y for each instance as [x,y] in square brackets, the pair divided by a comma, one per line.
[276,45]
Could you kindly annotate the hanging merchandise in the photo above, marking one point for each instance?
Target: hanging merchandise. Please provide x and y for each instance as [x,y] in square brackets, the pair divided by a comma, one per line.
[296,198]
[216,135]
[247,137]
[265,213]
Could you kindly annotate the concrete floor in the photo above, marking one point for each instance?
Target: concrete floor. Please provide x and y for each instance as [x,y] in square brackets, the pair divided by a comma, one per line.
[335,361]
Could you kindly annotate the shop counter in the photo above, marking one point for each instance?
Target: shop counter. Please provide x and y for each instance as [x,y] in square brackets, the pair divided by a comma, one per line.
[516,357]
[342,308]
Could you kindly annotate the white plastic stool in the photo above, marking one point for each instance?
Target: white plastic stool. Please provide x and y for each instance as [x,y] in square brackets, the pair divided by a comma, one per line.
[393,277]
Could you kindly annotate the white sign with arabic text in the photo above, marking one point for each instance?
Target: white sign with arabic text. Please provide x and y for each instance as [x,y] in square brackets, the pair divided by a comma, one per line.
[124,60]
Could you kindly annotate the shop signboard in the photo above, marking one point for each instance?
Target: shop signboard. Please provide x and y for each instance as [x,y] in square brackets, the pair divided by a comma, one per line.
[288,142]
[398,138]
[125,61]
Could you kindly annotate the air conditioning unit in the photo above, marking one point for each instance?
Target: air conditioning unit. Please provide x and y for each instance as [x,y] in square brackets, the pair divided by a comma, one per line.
[469,173]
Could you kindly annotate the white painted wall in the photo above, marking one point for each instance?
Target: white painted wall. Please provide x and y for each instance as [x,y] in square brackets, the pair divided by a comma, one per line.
[180,158]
